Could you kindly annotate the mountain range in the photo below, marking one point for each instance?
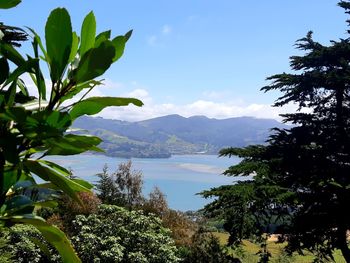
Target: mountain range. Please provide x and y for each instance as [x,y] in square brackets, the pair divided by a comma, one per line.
[174,134]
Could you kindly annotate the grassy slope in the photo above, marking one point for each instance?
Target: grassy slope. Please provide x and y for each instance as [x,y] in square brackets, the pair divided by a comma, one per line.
[250,250]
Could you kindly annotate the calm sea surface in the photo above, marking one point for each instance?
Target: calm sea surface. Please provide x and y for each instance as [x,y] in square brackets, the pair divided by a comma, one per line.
[179,177]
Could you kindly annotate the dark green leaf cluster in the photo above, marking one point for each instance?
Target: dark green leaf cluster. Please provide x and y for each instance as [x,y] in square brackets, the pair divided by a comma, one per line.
[205,248]
[300,185]
[32,128]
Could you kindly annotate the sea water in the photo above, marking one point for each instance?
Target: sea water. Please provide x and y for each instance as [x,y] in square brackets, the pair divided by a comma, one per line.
[179,177]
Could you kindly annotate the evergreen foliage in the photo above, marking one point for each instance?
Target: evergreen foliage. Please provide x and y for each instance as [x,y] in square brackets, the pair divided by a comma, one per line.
[122,188]
[301,184]
[205,248]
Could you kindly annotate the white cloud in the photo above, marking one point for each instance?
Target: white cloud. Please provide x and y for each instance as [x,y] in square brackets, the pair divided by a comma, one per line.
[212,106]
[217,95]
[166,29]
[192,18]
[139,93]
[211,109]
[158,38]
[152,40]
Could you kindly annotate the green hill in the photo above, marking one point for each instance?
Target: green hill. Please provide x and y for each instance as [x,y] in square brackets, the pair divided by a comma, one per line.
[174,134]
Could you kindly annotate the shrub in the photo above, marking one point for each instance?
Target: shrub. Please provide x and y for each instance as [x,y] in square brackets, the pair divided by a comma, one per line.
[115,234]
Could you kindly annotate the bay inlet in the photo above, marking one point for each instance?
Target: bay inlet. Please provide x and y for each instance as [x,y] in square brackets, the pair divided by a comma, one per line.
[179,177]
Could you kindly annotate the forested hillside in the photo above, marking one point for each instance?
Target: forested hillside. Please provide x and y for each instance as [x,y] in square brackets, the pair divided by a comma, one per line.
[174,134]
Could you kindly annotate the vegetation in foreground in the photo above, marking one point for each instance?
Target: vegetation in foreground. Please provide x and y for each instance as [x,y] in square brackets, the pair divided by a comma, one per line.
[122,226]
[32,128]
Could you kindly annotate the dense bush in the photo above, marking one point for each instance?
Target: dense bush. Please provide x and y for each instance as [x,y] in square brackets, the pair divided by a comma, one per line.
[5,255]
[113,234]
[117,235]
[23,244]
[205,248]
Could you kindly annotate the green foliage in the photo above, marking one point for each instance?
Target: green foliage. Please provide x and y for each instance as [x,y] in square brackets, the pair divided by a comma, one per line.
[205,248]
[23,241]
[94,105]
[156,203]
[88,32]
[32,128]
[6,4]
[58,36]
[6,255]
[161,137]
[117,235]
[67,209]
[123,187]
[300,185]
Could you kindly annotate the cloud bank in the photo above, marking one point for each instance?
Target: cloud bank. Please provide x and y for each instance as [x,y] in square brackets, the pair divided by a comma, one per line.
[213,105]
[211,109]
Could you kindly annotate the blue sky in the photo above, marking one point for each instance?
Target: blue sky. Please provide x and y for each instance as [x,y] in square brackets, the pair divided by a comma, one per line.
[194,57]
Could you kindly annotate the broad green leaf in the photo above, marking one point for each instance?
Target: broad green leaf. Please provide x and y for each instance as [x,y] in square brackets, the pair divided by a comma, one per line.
[95,62]
[27,66]
[6,4]
[119,45]
[39,81]
[55,120]
[43,247]
[19,204]
[46,203]
[22,87]
[83,183]
[102,37]
[44,124]
[17,114]
[128,35]
[9,142]
[75,44]
[4,69]
[11,54]
[94,105]
[88,32]
[40,43]
[62,182]
[58,36]
[8,178]
[72,144]
[38,77]
[11,93]
[51,233]
[78,88]
[56,167]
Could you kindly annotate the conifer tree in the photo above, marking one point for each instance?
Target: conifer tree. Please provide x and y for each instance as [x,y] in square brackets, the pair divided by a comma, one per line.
[301,179]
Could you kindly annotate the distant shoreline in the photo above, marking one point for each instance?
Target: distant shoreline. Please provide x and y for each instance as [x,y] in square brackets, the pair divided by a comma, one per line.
[127,156]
